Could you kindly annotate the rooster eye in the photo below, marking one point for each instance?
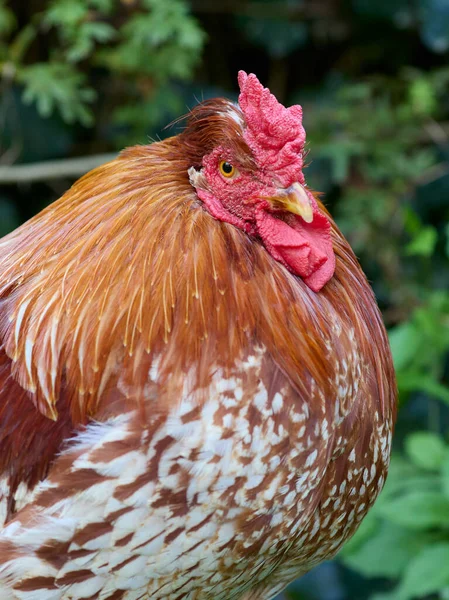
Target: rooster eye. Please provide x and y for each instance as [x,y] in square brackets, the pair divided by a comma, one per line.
[226,169]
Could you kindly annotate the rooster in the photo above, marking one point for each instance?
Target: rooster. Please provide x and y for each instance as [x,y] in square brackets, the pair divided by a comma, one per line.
[196,389]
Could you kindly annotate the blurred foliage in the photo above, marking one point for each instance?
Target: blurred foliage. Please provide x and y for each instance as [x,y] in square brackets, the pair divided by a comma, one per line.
[377,140]
[383,140]
[84,76]
[138,47]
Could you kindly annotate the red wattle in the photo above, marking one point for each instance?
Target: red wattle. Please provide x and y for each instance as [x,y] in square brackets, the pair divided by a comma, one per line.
[304,248]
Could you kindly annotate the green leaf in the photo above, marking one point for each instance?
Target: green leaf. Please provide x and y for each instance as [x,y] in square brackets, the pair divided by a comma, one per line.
[58,86]
[77,27]
[425,449]
[374,557]
[412,382]
[87,35]
[65,13]
[427,573]
[412,222]
[340,152]
[422,96]
[418,510]
[445,473]
[7,20]
[104,6]
[403,478]
[21,42]
[405,342]
[423,244]
[164,43]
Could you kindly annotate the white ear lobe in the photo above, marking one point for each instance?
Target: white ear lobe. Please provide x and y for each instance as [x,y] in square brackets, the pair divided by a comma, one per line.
[197,179]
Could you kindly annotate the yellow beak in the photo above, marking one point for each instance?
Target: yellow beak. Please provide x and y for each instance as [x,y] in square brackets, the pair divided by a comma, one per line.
[294,200]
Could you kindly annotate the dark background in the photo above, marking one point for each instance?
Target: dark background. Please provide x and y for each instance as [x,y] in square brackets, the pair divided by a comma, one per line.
[81,78]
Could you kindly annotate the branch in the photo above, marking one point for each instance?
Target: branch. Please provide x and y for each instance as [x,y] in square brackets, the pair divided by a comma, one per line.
[438,132]
[432,174]
[52,169]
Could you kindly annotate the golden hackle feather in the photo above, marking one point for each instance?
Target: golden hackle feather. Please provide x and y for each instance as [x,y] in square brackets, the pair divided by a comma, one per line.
[128,266]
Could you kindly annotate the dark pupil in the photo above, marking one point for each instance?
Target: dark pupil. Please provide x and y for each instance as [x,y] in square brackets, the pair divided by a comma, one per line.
[227,168]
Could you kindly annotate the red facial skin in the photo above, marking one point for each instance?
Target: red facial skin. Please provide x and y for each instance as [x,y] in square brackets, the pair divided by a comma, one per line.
[304,248]
[233,199]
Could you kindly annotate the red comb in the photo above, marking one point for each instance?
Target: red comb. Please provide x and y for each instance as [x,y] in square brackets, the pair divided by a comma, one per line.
[274,133]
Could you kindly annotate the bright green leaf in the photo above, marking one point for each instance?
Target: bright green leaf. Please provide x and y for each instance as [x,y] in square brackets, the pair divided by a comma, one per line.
[57,86]
[413,382]
[425,449]
[423,244]
[427,573]
[374,557]
[404,477]
[405,341]
[422,96]
[104,6]
[418,510]
[164,44]
[87,35]
[412,222]
[66,13]
[445,473]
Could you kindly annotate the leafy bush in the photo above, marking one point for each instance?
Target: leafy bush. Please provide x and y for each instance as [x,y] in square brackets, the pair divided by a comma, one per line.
[420,347]
[376,139]
[135,49]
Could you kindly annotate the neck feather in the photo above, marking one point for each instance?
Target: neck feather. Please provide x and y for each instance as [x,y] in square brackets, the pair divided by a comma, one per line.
[128,271]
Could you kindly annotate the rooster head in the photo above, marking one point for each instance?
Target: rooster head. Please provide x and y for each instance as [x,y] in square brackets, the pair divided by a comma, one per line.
[246,167]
